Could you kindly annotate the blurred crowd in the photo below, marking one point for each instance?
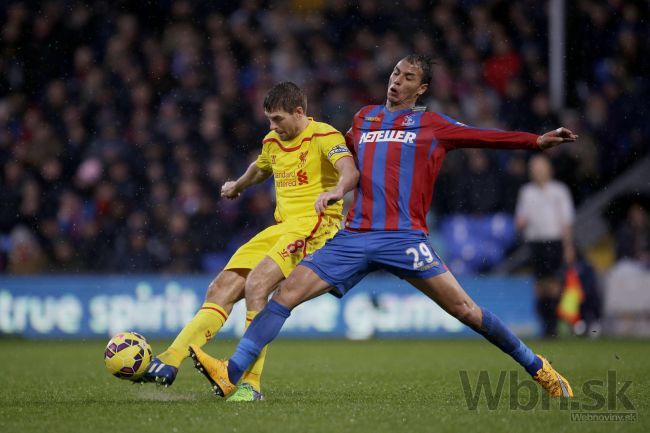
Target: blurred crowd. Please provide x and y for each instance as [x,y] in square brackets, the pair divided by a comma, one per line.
[119,121]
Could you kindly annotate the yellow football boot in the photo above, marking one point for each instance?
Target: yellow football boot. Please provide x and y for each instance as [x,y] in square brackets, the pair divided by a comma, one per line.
[552,381]
[215,370]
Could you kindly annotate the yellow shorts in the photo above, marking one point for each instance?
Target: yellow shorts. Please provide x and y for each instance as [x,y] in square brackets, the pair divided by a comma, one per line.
[286,243]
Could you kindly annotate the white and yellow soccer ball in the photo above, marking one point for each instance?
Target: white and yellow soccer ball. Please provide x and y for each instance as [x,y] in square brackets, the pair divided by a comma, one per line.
[127,355]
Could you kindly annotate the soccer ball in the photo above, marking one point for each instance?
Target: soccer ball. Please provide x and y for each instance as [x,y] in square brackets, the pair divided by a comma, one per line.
[127,355]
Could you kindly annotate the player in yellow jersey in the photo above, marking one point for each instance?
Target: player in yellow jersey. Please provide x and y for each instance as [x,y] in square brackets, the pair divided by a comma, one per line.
[313,169]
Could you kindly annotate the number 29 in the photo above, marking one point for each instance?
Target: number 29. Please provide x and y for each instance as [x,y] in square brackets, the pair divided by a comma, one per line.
[424,250]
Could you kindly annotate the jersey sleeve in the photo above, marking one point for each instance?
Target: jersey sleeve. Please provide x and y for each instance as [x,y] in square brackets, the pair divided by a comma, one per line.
[349,141]
[455,135]
[263,160]
[333,147]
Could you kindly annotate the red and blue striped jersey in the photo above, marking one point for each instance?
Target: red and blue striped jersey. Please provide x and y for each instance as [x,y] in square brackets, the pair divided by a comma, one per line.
[399,155]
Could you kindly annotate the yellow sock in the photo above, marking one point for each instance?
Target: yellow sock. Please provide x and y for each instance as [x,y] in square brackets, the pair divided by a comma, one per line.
[253,374]
[205,324]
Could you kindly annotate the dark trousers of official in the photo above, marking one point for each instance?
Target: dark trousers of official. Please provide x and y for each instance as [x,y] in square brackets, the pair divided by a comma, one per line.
[547,261]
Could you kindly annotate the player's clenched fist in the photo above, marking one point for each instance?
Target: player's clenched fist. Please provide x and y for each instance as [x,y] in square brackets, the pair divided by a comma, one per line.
[230,190]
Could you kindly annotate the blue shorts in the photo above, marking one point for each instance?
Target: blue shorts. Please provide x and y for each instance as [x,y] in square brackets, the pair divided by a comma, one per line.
[349,256]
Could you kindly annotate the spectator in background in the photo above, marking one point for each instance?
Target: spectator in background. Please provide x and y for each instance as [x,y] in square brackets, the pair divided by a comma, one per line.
[545,214]
[26,255]
[633,236]
[481,189]
[503,64]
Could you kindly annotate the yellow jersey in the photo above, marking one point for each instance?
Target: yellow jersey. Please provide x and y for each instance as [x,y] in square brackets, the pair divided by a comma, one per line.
[303,168]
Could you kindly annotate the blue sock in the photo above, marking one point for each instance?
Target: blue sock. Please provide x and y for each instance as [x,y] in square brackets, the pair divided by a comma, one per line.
[262,330]
[496,332]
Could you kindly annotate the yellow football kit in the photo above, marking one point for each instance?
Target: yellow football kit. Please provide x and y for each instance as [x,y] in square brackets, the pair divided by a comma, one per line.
[302,169]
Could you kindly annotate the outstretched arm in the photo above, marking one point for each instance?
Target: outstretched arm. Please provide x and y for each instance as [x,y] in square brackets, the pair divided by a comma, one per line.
[348,179]
[454,135]
[252,176]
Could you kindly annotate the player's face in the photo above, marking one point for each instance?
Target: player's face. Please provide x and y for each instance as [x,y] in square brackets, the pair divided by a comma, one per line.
[285,124]
[405,85]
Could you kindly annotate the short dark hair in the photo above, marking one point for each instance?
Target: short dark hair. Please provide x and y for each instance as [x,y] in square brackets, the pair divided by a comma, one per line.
[285,96]
[425,63]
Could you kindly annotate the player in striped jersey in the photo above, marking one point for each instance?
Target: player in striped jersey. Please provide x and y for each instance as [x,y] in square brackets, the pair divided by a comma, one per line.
[399,150]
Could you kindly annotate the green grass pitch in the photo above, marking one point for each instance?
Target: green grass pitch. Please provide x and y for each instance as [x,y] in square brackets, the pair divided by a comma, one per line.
[314,386]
